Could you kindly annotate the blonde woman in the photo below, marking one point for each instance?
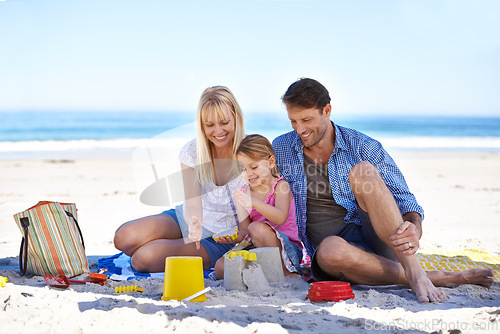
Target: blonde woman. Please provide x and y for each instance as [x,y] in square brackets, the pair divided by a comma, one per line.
[210,174]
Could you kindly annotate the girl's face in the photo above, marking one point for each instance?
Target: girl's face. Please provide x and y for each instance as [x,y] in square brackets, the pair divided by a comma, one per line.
[255,172]
[220,131]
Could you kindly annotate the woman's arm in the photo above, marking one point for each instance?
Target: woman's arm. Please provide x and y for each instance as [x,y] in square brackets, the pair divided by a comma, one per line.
[192,202]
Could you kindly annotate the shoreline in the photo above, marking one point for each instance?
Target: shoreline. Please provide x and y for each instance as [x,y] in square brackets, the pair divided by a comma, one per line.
[460,193]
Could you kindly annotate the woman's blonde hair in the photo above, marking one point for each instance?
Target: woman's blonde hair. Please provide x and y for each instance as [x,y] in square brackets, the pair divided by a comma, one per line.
[257,148]
[215,100]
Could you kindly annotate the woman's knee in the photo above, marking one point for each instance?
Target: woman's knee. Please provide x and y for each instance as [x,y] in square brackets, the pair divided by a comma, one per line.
[124,237]
[219,268]
[141,261]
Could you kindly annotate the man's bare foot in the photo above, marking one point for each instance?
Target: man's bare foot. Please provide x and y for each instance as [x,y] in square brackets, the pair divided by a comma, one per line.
[478,276]
[423,287]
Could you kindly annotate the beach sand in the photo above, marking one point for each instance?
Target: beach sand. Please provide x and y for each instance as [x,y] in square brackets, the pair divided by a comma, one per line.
[460,192]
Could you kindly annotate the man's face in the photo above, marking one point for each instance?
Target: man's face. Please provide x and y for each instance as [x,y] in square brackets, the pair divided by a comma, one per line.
[310,124]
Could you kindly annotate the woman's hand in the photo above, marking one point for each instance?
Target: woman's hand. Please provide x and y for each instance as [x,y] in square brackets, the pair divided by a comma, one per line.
[195,231]
[244,199]
[225,240]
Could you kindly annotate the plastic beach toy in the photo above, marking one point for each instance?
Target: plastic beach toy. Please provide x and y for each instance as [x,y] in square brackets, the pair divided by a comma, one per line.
[330,291]
[99,277]
[61,281]
[3,281]
[231,232]
[183,278]
[128,289]
[199,293]
[246,255]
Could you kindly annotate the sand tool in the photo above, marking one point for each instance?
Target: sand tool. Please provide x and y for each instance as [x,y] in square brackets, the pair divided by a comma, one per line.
[61,281]
[99,277]
[128,289]
[3,281]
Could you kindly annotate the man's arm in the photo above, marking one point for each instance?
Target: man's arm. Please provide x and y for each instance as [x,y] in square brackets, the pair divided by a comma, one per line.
[416,219]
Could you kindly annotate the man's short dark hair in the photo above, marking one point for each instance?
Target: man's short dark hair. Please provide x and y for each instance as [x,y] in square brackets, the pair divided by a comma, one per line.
[306,93]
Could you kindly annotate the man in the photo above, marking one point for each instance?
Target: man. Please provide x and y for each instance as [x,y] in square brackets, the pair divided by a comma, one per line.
[356,215]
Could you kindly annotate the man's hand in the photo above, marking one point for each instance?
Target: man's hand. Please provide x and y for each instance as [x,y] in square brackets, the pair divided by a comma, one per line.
[195,231]
[406,239]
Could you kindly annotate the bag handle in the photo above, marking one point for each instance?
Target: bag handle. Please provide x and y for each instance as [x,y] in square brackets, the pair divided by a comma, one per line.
[69,214]
[23,251]
[25,222]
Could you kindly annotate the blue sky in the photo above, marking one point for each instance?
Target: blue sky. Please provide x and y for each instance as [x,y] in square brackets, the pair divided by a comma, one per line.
[404,57]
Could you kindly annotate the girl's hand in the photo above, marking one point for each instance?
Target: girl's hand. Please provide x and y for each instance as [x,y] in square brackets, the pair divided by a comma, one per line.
[244,199]
[195,231]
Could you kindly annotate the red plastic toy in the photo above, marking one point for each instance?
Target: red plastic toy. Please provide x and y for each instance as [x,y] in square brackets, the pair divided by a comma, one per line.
[330,290]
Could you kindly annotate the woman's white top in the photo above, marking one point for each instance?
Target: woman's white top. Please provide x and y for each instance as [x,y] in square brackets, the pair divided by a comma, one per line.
[218,203]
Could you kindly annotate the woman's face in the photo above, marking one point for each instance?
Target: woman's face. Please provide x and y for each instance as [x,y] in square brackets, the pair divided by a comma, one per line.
[220,131]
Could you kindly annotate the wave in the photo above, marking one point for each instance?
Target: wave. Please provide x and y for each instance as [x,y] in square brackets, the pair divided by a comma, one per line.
[88,144]
[474,143]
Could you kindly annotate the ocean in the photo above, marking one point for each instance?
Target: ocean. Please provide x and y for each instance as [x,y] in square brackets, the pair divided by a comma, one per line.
[32,133]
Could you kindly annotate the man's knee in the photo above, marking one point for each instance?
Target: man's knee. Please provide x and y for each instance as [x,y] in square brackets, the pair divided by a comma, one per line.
[364,178]
[331,252]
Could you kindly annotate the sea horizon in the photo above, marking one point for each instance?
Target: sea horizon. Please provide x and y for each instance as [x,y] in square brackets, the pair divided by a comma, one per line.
[30,134]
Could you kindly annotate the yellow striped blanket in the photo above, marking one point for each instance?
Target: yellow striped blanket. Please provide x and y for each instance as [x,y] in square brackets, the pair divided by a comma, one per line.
[458,260]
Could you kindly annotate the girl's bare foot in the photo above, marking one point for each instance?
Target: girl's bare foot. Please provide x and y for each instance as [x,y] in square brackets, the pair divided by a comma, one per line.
[291,275]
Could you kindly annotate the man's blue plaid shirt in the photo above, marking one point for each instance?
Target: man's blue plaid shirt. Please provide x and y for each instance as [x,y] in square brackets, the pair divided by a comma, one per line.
[351,147]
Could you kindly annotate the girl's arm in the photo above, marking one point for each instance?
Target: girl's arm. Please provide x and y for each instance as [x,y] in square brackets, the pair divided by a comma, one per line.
[244,219]
[277,214]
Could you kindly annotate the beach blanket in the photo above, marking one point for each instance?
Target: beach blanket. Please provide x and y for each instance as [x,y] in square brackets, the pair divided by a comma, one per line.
[119,268]
[458,260]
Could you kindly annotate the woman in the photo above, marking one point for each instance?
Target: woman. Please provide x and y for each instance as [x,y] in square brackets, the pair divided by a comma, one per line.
[210,174]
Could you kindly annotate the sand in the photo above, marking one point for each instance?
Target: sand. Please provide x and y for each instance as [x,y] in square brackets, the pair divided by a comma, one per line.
[460,192]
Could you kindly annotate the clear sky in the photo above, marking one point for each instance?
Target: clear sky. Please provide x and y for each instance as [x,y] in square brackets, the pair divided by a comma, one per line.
[405,57]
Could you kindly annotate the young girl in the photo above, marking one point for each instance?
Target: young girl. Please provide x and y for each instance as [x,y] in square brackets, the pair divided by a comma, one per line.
[265,206]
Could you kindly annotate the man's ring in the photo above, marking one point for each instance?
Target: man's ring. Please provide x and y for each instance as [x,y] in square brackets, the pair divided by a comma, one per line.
[409,245]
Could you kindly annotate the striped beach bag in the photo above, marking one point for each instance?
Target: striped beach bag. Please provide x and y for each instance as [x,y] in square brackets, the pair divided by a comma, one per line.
[52,240]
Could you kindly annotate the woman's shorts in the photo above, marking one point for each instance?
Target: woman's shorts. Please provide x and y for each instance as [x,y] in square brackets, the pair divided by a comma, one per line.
[214,249]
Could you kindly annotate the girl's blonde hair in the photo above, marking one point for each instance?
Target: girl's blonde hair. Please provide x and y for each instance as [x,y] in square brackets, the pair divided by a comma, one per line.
[215,100]
[257,148]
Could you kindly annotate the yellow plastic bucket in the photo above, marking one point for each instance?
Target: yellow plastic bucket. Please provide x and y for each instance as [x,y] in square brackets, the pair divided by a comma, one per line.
[183,278]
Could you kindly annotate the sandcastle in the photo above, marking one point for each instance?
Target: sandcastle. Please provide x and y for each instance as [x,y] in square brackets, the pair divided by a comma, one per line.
[252,270]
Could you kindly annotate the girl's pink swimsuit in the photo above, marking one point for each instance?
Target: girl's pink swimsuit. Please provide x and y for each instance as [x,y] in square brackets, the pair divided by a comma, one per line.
[289,227]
